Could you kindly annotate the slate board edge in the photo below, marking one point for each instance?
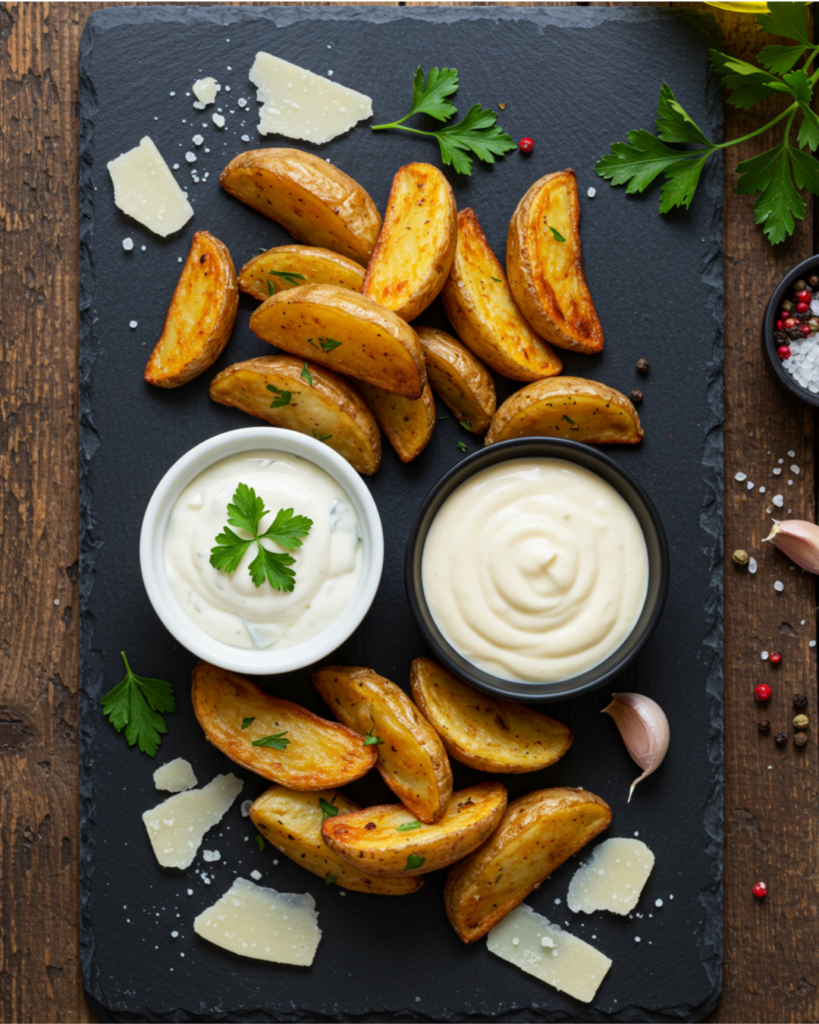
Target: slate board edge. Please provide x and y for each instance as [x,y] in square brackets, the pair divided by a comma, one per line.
[91,681]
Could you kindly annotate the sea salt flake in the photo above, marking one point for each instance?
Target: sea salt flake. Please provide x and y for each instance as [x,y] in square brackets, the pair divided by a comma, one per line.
[791,454]
[750,485]
[776,472]
[762,490]
[812,643]
[740,477]
[752,565]
[127,244]
[779,586]
[778,500]
[764,655]
[591,192]
[218,120]
[190,157]
[133,325]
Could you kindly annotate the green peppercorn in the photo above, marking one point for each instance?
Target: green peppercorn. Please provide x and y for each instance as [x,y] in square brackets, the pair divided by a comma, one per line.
[740,557]
[800,285]
[800,739]
[801,722]
[787,304]
[764,725]
[813,323]
[781,739]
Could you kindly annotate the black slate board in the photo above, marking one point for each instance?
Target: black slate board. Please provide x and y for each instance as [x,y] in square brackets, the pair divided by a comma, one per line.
[575,79]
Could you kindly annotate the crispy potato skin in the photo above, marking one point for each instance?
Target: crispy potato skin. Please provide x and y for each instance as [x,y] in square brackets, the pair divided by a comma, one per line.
[313,200]
[545,275]
[320,754]
[536,835]
[411,757]
[200,318]
[376,346]
[487,733]
[480,306]
[599,414]
[461,381]
[291,821]
[316,266]
[369,839]
[417,242]
[330,406]
[408,424]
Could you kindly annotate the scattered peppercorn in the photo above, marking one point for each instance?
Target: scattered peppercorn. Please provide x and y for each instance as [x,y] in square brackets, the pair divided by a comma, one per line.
[776,658]
[800,285]
[787,305]
[642,365]
[813,281]
[781,739]
[764,725]
[526,145]
[762,692]
[740,557]
[635,395]
[800,739]
[760,890]
[783,352]
[800,700]
[801,722]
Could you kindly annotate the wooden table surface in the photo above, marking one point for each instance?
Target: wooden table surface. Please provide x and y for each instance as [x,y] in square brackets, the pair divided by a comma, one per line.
[771,946]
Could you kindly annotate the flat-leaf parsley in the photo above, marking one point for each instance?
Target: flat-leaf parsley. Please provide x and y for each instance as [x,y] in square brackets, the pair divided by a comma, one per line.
[135,705]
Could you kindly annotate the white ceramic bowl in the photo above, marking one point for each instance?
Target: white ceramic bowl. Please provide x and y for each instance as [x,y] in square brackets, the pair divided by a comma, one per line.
[152,551]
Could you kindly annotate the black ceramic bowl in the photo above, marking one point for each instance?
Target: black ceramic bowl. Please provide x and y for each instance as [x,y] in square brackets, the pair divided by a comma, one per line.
[783,291]
[658,567]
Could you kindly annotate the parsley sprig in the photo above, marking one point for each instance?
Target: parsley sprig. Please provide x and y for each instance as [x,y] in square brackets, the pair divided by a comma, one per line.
[476,134]
[135,705]
[777,174]
[246,512]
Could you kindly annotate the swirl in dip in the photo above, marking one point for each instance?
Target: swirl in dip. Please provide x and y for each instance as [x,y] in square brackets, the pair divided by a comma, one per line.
[535,570]
[230,608]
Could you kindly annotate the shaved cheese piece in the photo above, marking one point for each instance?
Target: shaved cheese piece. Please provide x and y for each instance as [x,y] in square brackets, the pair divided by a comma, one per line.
[538,947]
[145,189]
[175,776]
[301,105]
[262,923]
[612,878]
[177,826]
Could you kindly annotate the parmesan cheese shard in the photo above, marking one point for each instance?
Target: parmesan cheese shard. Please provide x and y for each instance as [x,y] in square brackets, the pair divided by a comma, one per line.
[177,826]
[205,90]
[538,947]
[175,776]
[145,189]
[300,105]
[612,878]
[264,924]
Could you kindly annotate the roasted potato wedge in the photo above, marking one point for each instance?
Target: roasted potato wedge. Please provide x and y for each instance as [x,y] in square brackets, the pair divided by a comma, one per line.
[200,318]
[536,835]
[461,381]
[347,332]
[417,242]
[581,410]
[318,755]
[411,757]
[313,200]
[389,841]
[487,733]
[289,266]
[546,271]
[408,424]
[291,821]
[327,407]
[480,307]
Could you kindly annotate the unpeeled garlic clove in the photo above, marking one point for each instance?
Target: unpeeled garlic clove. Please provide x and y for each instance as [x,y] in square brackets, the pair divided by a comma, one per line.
[644,729]
[799,540]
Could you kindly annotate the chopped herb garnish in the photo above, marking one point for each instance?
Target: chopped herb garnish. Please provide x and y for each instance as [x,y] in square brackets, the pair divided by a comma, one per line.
[135,705]
[443,417]
[248,721]
[568,419]
[557,235]
[311,343]
[461,446]
[276,741]
[287,276]
[259,842]
[282,397]
[408,826]
[465,424]
[414,861]
[330,878]
[322,437]
[497,279]
[261,251]
[370,740]
[328,809]
[270,289]
[305,373]
[328,344]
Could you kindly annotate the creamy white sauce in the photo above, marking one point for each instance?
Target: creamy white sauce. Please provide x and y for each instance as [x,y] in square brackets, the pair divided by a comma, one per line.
[230,608]
[535,570]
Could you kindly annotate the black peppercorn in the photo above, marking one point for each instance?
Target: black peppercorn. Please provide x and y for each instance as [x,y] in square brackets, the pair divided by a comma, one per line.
[635,396]
[642,365]
[764,725]
[813,281]
[800,739]
[800,700]
[781,739]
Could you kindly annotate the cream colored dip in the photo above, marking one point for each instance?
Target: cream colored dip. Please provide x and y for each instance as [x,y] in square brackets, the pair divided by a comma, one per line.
[535,570]
[230,608]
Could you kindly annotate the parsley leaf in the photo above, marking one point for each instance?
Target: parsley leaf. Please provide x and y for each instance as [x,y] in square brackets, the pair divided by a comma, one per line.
[461,446]
[287,276]
[306,375]
[135,705]
[370,740]
[259,842]
[328,809]
[322,437]
[414,861]
[568,419]
[270,289]
[557,235]
[330,878]
[276,741]
[327,344]
[282,397]
[409,826]
[786,20]
[465,424]
[248,721]
[430,96]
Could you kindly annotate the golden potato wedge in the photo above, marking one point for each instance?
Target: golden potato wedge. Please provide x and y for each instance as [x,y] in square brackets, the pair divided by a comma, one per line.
[546,271]
[200,318]
[389,841]
[289,266]
[291,821]
[408,424]
[313,200]
[480,306]
[581,410]
[318,403]
[536,835]
[347,332]
[411,757]
[487,733]
[461,381]
[417,242]
[319,754]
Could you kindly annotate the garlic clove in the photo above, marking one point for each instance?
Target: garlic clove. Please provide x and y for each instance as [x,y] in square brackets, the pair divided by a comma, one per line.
[644,729]
[799,540]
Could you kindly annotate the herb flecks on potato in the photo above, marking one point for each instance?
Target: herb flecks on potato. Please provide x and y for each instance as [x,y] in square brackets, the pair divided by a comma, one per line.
[407,423]
[289,266]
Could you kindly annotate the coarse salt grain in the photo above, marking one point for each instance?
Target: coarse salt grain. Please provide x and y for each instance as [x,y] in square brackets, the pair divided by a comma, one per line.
[740,477]
[658,903]
[795,470]
[245,138]
[791,454]
[591,192]
[752,565]
[255,875]
[211,855]
[764,655]
[779,586]
[778,500]
[245,808]
[762,490]
[219,120]
[776,472]
[637,938]
[133,324]
[190,157]
[750,485]
[242,102]
[812,643]
[127,244]
[197,140]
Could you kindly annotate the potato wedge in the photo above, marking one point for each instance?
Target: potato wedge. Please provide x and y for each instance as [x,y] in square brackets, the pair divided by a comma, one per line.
[327,407]
[416,246]
[480,307]
[536,835]
[289,266]
[460,380]
[313,200]
[408,424]
[545,271]
[389,841]
[411,757]
[200,318]
[319,754]
[291,821]
[487,733]
[347,332]
[581,410]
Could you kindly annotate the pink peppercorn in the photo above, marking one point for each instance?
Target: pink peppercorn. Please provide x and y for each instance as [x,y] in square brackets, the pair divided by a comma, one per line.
[802,307]
[760,890]
[804,296]
[805,330]
[762,692]
[783,352]
[526,145]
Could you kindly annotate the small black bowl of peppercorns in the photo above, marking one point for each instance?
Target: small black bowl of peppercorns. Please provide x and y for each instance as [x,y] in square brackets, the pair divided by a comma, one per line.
[790,332]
